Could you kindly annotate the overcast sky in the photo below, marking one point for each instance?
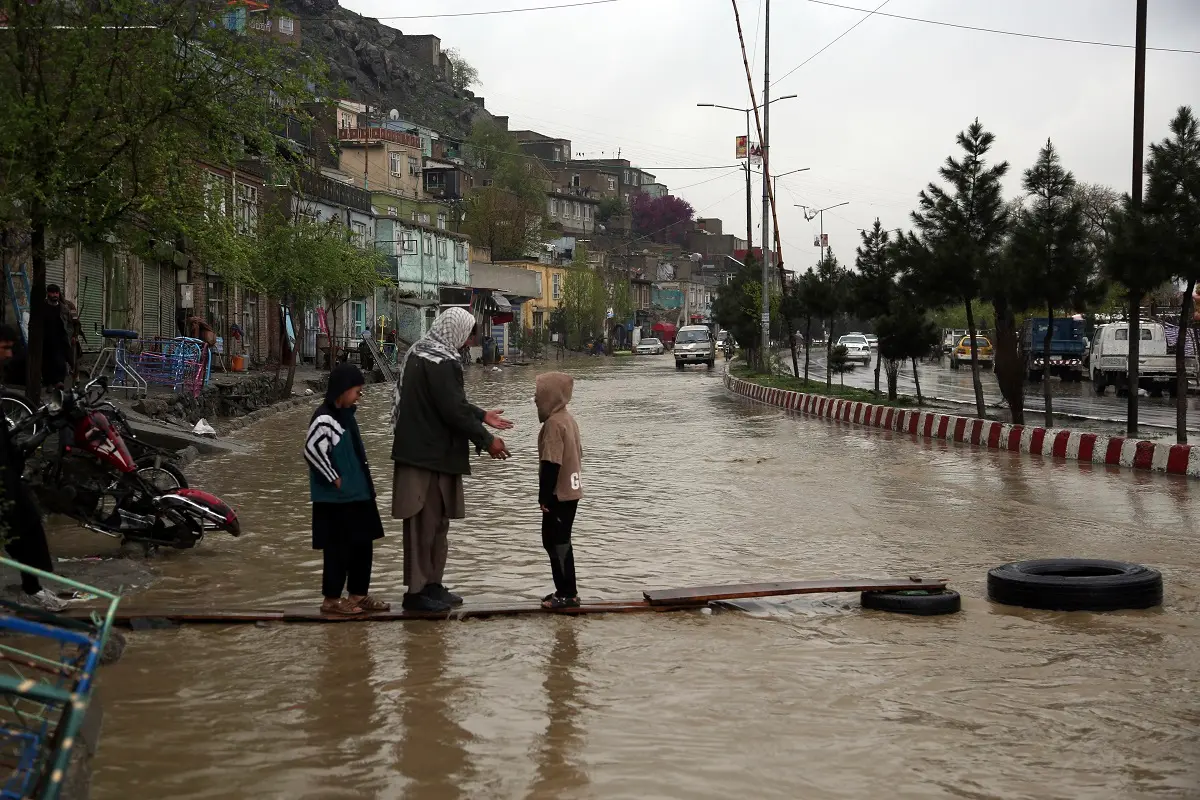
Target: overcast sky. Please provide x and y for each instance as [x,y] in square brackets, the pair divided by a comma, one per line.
[876,113]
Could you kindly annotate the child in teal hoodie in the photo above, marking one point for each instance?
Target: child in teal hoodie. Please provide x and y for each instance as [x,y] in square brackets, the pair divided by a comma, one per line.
[345,519]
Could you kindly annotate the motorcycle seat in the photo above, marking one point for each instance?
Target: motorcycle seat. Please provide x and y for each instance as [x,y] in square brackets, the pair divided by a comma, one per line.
[117,333]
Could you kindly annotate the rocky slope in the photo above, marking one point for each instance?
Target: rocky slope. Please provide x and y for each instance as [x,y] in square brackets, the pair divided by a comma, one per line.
[378,65]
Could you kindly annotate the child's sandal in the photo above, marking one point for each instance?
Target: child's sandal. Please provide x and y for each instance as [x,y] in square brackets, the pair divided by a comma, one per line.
[342,607]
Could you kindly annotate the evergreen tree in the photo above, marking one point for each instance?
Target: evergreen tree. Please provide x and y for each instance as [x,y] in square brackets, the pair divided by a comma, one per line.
[1173,194]
[876,280]
[829,300]
[962,227]
[1049,246]
[737,307]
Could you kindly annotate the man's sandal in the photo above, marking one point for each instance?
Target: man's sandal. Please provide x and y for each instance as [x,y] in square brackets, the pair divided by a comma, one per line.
[342,607]
[554,602]
[370,604]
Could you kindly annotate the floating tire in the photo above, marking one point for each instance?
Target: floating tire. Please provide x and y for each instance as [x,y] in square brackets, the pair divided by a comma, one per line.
[918,601]
[1075,584]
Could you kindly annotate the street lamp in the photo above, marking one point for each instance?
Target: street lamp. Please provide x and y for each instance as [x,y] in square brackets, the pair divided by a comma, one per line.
[810,214]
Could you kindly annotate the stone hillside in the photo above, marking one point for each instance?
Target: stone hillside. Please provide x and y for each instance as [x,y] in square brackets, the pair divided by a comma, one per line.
[379,65]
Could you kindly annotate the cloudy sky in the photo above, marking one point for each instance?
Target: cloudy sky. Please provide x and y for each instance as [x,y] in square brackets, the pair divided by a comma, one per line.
[875,114]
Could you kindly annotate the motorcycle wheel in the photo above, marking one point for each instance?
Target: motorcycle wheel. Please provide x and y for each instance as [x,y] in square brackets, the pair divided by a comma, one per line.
[162,475]
[14,409]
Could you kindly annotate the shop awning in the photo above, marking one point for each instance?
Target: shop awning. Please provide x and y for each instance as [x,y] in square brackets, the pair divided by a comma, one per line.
[504,310]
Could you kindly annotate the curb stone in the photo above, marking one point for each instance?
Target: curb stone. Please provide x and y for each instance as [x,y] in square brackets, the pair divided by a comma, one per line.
[1089,448]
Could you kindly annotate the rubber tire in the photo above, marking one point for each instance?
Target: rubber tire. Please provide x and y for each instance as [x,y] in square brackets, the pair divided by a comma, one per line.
[679,365]
[925,604]
[1098,384]
[166,466]
[1054,584]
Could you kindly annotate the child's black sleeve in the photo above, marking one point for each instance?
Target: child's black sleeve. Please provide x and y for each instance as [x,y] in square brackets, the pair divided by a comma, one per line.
[547,481]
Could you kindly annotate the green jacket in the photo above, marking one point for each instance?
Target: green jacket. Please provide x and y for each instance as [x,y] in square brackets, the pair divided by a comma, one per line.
[333,449]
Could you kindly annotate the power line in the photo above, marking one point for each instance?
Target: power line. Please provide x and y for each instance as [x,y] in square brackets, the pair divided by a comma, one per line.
[500,10]
[710,180]
[868,13]
[1000,32]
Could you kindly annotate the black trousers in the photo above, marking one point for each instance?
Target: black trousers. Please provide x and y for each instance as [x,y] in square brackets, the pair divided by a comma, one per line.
[347,566]
[27,540]
[556,538]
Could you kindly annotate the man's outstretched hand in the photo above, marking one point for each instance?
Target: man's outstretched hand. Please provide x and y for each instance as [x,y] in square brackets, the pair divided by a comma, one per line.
[497,449]
[493,419]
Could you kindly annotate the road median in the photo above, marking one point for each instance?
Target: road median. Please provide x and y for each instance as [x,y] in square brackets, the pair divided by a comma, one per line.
[1086,448]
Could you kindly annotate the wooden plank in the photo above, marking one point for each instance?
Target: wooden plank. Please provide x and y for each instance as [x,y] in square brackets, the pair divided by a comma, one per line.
[468,611]
[704,594]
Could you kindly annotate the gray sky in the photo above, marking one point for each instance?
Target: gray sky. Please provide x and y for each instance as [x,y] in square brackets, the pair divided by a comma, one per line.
[876,114]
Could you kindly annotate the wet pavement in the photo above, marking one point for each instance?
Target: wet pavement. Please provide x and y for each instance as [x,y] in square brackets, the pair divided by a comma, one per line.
[940,382]
[685,485]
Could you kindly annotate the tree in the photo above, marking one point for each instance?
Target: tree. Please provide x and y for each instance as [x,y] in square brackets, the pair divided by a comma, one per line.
[584,298]
[839,361]
[465,75]
[803,301]
[136,93]
[1049,246]
[829,300]
[507,215]
[962,228]
[875,283]
[905,333]
[738,306]
[610,207]
[665,219]
[1173,194]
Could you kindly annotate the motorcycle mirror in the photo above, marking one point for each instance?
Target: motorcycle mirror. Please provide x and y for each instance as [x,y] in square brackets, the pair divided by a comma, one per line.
[55,403]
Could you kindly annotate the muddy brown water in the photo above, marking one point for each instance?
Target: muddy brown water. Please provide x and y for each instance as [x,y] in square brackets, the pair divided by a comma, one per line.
[812,698]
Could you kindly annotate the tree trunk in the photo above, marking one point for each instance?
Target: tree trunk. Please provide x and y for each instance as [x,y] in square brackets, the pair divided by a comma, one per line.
[294,356]
[1010,369]
[1135,351]
[37,305]
[1181,377]
[893,373]
[829,355]
[980,407]
[1046,345]
[878,361]
[807,344]
[917,383]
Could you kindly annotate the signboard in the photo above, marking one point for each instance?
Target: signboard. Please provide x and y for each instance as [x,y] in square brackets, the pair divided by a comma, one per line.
[821,241]
[766,318]
[741,147]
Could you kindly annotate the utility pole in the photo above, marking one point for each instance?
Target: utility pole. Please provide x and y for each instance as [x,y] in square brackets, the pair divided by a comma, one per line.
[1135,303]
[749,220]
[766,198]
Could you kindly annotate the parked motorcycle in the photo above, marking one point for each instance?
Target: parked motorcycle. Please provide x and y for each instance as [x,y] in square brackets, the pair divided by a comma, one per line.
[93,478]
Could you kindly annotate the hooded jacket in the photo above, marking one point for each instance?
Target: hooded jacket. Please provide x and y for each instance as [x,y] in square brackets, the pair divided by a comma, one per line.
[334,448]
[560,451]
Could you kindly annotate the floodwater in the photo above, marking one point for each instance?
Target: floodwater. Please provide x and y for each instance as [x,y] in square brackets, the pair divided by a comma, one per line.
[813,698]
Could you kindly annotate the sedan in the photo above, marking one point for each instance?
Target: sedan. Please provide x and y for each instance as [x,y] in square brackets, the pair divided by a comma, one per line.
[649,347]
[857,348]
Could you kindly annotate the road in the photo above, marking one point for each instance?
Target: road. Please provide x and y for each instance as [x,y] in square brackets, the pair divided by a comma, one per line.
[1076,399]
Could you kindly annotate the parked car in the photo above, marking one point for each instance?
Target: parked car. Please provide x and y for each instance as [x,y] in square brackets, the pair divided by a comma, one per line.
[872,340]
[858,348]
[650,347]
[694,345]
[1156,367]
[961,354]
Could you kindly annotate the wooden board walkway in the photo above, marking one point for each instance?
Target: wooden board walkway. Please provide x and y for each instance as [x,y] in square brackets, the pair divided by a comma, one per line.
[657,600]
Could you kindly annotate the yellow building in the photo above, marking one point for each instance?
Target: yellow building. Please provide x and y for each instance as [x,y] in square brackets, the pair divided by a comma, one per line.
[536,313]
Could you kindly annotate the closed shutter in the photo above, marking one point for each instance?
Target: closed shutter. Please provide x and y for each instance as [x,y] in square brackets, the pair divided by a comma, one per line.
[56,271]
[166,305]
[91,298]
[150,300]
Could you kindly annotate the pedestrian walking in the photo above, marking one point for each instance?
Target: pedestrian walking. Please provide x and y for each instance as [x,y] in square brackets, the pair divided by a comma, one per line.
[20,517]
[435,425]
[560,461]
[345,517]
[58,351]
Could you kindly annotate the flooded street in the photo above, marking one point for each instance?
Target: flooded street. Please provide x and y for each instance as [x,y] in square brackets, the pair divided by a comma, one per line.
[686,485]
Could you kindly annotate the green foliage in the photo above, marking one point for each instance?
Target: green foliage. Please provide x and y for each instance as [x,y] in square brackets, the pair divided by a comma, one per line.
[738,305]
[1173,192]
[839,361]
[465,75]
[875,282]
[784,380]
[507,215]
[584,299]
[611,207]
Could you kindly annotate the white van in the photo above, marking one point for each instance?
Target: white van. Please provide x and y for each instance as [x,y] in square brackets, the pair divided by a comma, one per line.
[694,345]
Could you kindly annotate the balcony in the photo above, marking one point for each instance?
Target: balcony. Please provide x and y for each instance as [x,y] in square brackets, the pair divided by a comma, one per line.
[368,136]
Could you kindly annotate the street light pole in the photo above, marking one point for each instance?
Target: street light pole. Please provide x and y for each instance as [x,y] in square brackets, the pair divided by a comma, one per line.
[766,200]
[810,214]
[749,220]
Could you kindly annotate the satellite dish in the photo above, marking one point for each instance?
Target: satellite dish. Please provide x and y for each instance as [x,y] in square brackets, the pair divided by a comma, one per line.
[393,114]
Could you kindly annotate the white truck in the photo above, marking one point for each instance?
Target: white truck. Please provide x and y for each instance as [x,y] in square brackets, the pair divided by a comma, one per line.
[1109,360]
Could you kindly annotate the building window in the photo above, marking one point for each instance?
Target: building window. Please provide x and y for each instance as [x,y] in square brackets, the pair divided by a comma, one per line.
[556,285]
[435,180]
[410,245]
[392,211]
[423,219]
[286,26]
[414,166]
[538,317]
[441,221]
[247,209]
[214,195]
[612,184]
[460,252]
[394,164]
[575,181]
[360,233]
[575,209]
[557,153]
[442,249]
[358,317]
[428,245]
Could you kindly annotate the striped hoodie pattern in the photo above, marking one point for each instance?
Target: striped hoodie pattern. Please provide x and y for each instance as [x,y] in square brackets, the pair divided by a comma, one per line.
[324,434]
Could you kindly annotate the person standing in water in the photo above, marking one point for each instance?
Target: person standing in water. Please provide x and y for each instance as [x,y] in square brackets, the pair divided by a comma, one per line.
[434,427]
[345,517]
[560,461]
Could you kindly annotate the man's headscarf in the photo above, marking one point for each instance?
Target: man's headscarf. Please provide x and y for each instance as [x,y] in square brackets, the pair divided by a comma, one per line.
[448,333]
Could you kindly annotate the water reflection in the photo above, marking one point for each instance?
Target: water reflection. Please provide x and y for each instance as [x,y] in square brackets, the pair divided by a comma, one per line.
[431,753]
[558,772]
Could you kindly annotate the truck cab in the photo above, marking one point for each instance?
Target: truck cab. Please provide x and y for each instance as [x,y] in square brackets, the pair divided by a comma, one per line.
[1066,349]
[1157,369]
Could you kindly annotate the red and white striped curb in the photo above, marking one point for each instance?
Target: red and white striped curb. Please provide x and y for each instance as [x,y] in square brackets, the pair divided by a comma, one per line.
[1093,448]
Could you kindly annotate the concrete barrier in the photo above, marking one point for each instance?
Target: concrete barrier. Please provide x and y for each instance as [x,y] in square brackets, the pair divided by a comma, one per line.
[1091,448]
